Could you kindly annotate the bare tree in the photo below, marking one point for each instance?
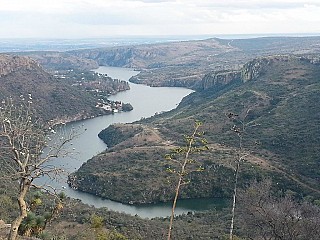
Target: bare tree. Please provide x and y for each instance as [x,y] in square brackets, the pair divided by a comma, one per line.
[180,158]
[239,128]
[26,152]
[270,217]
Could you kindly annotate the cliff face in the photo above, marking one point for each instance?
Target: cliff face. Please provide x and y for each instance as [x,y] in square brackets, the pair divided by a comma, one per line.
[219,79]
[252,70]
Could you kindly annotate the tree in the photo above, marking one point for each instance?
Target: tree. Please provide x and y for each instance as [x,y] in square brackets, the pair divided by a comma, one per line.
[267,215]
[180,158]
[239,128]
[26,152]
[101,233]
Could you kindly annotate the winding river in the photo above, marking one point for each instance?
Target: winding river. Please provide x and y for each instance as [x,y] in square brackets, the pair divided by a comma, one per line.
[146,101]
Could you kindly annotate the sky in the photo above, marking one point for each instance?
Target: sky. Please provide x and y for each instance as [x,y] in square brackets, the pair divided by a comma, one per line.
[112,18]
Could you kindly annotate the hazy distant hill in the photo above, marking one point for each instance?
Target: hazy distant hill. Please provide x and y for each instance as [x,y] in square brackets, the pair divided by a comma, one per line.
[179,63]
[52,98]
[51,60]
[184,63]
[278,96]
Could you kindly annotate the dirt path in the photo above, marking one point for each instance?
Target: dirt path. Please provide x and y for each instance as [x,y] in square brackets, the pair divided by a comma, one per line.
[266,164]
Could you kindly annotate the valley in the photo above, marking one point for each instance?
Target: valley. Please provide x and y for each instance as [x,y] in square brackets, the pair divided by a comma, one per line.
[265,88]
[136,151]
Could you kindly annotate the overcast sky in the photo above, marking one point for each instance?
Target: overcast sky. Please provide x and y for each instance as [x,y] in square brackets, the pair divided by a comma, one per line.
[109,18]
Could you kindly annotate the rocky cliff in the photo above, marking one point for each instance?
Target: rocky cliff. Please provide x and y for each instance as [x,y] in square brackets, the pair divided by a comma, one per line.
[252,70]
[219,79]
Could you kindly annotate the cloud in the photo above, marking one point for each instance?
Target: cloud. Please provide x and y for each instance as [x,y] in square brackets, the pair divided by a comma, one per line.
[91,18]
[157,1]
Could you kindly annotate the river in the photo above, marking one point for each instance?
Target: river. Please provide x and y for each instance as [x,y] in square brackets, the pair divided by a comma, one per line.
[146,101]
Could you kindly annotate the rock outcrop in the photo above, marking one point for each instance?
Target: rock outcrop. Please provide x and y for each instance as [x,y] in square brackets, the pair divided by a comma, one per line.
[219,79]
[252,70]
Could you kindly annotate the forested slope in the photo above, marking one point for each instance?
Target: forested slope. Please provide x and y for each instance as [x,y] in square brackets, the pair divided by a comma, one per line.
[275,97]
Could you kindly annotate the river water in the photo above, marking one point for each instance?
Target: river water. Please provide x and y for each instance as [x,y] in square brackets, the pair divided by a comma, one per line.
[146,101]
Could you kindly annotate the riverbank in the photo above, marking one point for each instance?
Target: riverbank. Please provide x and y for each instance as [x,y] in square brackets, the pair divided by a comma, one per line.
[109,107]
[146,101]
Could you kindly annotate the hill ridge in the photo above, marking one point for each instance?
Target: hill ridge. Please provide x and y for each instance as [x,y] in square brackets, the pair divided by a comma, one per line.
[279,97]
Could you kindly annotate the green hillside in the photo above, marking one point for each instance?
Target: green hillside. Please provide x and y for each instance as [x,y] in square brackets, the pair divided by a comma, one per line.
[277,99]
[65,96]
[185,63]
